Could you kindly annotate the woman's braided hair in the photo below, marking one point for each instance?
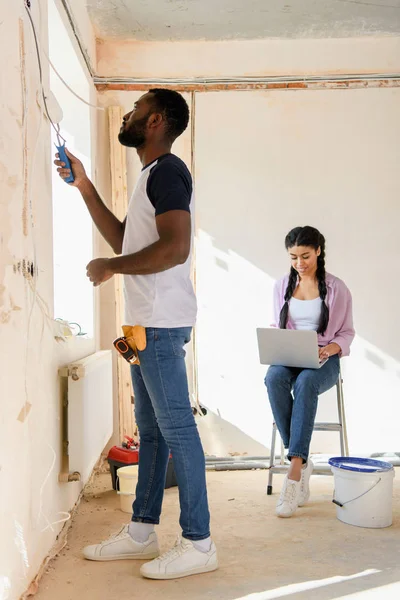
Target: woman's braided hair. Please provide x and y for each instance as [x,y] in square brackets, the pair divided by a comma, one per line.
[307,236]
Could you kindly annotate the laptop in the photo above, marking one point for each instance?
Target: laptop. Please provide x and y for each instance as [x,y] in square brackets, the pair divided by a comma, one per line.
[289,348]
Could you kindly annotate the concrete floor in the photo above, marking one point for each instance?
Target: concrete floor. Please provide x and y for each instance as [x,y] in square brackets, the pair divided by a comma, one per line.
[311,556]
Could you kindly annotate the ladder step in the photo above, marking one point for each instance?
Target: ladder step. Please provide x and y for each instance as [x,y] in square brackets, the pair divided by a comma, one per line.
[319,469]
[327,427]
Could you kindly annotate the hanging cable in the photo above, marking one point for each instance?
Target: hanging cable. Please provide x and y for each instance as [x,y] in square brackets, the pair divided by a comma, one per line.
[68,87]
[40,47]
[35,37]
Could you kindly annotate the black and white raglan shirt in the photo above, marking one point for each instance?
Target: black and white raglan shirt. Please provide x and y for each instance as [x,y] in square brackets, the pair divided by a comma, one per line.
[164,299]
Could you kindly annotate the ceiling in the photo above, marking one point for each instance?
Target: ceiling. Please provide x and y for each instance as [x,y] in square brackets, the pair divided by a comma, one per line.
[176,20]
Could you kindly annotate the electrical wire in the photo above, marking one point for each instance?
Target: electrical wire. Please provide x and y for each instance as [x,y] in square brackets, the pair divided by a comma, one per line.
[41,513]
[204,81]
[68,87]
[35,37]
[40,47]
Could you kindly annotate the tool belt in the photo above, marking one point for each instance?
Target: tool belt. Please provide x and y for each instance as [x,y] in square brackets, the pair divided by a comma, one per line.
[133,341]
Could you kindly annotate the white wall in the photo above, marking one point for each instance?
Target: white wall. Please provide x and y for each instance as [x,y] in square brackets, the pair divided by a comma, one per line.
[31,499]
[276,160]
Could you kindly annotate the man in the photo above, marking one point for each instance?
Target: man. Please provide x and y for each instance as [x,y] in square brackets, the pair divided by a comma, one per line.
[154,244]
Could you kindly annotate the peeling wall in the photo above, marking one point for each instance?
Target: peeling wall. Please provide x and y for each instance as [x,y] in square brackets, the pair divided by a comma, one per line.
[249,58]
[32,502]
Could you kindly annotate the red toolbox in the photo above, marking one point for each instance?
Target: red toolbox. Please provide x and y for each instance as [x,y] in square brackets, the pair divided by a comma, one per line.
[119,456]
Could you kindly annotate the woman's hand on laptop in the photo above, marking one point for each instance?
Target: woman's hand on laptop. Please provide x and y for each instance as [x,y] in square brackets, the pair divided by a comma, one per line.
[329,350]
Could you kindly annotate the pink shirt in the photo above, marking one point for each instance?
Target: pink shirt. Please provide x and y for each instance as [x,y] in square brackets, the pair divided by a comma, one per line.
[340,328]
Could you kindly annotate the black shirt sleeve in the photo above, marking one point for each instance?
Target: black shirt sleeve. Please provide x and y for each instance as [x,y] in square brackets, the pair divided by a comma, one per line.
[169,186]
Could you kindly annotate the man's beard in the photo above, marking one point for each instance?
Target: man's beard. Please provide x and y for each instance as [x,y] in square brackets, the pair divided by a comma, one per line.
[134,137]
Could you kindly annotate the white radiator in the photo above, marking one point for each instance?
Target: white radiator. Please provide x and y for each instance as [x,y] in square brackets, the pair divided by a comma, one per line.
[87,414]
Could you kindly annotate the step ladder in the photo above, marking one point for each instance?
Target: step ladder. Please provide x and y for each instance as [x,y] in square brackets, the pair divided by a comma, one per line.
[322,468]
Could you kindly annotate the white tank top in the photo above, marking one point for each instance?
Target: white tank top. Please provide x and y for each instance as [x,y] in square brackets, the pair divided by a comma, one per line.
[305,314]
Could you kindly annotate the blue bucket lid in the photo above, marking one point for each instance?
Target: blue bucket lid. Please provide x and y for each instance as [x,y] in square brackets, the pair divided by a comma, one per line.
[362,465]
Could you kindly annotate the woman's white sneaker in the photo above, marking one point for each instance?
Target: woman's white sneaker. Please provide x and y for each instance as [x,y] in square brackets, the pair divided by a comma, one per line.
[122,546]
[305,482]
[289,498]
[181,561]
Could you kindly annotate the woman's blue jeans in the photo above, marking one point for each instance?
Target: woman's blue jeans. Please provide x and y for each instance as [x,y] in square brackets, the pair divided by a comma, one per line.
[293,395]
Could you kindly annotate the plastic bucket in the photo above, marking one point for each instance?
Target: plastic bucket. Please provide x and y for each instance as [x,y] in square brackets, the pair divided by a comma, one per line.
[363,491]
[127,477]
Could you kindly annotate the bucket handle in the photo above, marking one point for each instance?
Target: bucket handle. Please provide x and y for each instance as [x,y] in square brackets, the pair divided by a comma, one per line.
[117,488]
[353,499]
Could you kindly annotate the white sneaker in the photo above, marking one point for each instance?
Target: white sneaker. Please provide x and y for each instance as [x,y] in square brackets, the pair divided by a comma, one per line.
[289,498]
[122,546]
[182,560]
[305,482]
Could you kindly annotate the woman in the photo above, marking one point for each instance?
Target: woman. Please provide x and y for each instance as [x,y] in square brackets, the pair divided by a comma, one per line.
[308,298]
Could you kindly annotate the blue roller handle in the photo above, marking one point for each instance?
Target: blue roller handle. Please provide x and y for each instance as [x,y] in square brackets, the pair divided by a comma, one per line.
[64,158]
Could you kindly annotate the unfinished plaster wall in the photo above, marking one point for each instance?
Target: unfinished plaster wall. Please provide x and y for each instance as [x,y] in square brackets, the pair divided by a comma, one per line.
[32,501]
[267,161]
[250,58]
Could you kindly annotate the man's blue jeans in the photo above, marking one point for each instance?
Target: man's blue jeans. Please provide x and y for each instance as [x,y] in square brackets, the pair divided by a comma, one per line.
[293,395]
[166,424]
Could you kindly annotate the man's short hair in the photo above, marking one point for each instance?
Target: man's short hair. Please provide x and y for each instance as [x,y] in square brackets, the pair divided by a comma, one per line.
[174,109]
